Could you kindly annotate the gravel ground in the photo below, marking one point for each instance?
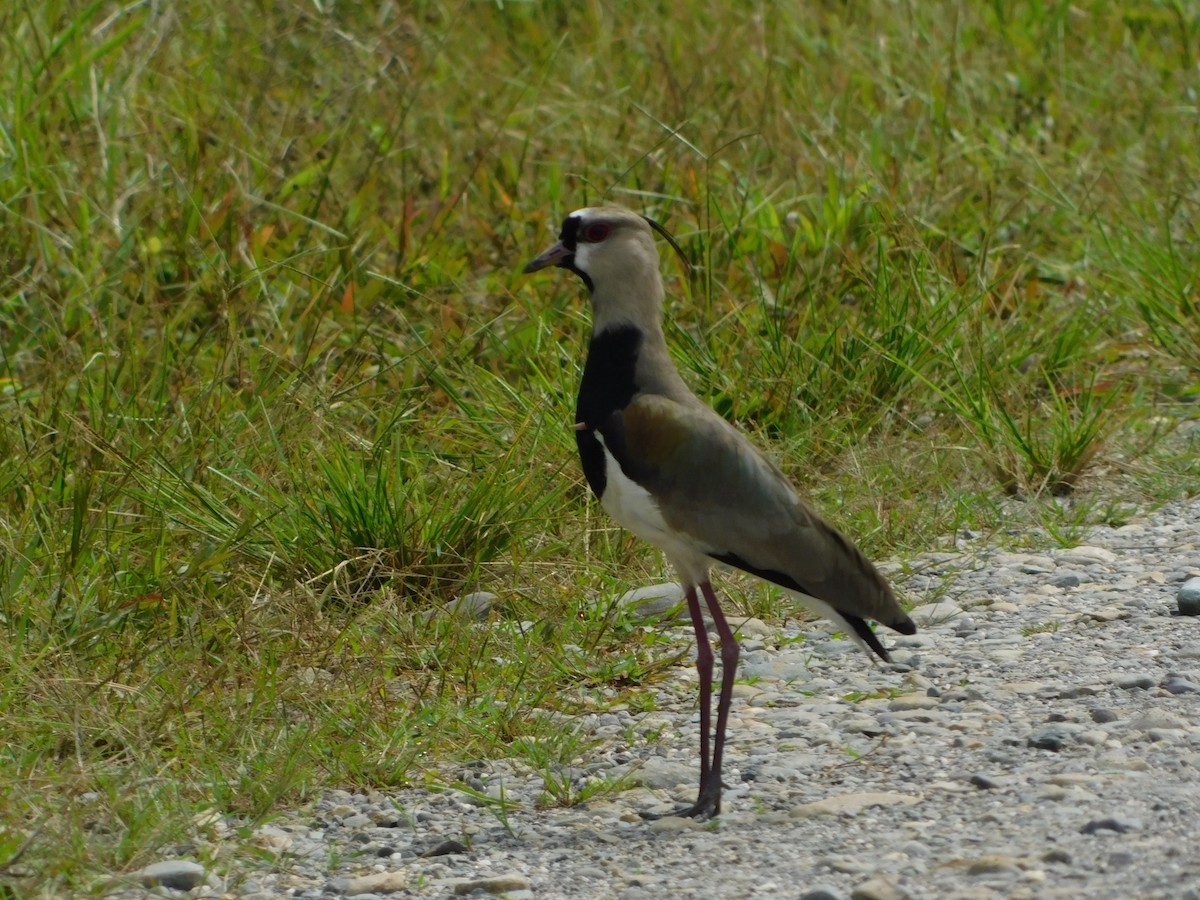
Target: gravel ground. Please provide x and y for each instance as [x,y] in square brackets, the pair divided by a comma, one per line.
[1039,737]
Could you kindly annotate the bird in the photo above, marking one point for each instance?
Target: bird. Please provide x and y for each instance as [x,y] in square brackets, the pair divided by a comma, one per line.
[669,469]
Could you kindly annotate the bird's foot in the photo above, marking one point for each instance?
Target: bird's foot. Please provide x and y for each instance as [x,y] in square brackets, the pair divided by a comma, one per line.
[704,808]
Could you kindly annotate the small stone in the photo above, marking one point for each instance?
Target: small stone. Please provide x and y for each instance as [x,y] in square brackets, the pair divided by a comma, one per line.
[475,605]
[1177,684]
[913,701]
[1057,855]
[1136,681]
[1157,718]
[673,824]
[1076,691]
[387,818]
[879,889]
[1090,554]
[445,848]
[933,614]
[1102,715]
[1166,734]
[375,883]
[663,774]
[178,874]
[1066,580]
[1119,824]
[268,837]
[1053,737]
[851,803]
[989,865]
[822,892]
[1055,793]
[752,627]
[655,601]
[965,625]
[984,783]
[1073,779]
[499,884]
[844,865]
[781,667]
[1188,597]
[748,692]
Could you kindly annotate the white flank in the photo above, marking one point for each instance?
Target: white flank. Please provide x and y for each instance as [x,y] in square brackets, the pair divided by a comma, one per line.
[633,507]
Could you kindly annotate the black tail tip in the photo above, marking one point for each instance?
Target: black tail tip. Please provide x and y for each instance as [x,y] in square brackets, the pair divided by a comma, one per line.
[904,626]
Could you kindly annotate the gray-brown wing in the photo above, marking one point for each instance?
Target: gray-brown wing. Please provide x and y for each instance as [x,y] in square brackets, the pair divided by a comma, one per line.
[714,486]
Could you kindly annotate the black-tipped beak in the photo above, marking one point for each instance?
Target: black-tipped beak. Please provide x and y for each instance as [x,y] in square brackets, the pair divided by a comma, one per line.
[558,255]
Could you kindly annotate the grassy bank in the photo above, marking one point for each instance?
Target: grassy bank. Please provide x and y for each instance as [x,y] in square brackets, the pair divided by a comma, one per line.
[271,387]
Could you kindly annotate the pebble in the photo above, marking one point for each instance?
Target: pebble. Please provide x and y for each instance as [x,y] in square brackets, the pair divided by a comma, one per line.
[880,889]
[851,804]
[497,884]
[1157,718]
[655,601]
[179,874]
[1177,684]
[1112,823]
[1130,682]
[1188,597]
[1054,737]
[445,848]
[821,892]
[376,883]
[475,606]
[1048,750]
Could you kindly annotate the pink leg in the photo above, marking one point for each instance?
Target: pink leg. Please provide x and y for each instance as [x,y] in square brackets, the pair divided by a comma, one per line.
[708,802]
[704,668]
[729,660]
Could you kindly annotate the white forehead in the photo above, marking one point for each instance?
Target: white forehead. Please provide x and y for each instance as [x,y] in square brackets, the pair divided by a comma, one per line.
[582,213]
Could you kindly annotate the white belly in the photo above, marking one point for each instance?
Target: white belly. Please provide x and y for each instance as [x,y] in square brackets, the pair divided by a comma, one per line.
[634,508]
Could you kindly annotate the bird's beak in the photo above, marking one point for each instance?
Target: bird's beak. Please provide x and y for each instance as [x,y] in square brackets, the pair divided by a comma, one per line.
[555,256]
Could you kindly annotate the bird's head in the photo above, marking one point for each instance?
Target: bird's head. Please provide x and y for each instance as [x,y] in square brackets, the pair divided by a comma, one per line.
[612,249]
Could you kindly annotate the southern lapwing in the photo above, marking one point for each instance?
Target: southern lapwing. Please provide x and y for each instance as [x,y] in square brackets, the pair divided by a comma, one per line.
[672,471]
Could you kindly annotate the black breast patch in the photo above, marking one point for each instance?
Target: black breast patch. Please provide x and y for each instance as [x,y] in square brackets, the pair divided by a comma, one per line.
[607,387]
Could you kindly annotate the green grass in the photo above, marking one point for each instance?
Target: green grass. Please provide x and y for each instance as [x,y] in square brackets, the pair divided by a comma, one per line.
[271,386]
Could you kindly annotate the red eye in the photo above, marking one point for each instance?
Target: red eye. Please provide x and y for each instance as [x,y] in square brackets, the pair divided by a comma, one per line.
[596,232]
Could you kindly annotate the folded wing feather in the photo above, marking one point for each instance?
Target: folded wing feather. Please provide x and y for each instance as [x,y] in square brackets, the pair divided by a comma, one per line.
[716,487]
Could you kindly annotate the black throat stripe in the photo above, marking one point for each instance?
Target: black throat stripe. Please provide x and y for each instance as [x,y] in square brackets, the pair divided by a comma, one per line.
[569,237]
[570,233]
